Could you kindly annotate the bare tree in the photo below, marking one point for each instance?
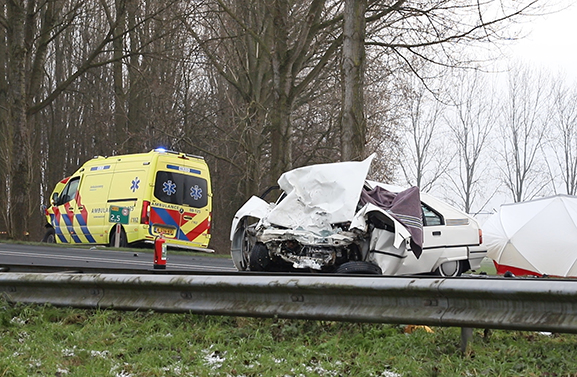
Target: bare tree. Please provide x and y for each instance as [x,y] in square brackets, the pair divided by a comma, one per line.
[523,128]
[31,30]
[296,41]
[257,88]
[424,158]
[563,138]
[416,35]
[237,51]
[474,116]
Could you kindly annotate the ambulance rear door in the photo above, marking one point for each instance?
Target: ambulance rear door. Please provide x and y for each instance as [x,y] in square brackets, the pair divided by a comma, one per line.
[181,207]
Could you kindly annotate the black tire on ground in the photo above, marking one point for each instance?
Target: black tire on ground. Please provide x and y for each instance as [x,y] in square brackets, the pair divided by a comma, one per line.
[450,269]
[123,240]
[359,267]
[49,236]
[246,247]
[259,259]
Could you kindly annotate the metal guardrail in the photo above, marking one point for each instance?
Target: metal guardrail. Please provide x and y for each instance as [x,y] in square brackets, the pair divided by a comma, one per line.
[511,304]
[39,268]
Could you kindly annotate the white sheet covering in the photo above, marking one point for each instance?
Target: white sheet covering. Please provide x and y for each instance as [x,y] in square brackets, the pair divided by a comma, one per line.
[538,236]
[318,196]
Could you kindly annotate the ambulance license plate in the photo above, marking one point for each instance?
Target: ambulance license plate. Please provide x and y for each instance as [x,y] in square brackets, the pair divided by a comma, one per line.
[166,232]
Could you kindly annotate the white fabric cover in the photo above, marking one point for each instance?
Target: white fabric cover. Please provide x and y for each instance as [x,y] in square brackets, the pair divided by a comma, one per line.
[317,195]
[538,236]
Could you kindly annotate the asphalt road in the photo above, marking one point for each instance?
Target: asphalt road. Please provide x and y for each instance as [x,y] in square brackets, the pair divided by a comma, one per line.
[16,257]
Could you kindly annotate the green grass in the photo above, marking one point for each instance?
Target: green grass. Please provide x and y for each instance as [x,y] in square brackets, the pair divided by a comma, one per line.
[487,266]
[50,341]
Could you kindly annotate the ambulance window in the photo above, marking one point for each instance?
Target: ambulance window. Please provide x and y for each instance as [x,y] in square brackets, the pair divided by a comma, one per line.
[176,188]
[69,191]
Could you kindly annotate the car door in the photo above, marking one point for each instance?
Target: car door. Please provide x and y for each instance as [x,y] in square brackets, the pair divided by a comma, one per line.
[91,212]
[433,237]
[433,243]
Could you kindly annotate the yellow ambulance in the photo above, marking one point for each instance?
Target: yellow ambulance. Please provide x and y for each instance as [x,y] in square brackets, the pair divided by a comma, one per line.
[146,195]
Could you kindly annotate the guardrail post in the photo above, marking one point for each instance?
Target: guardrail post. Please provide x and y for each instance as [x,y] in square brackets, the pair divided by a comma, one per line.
[466,335]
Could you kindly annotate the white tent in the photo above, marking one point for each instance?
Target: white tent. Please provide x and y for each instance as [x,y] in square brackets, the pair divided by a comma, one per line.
[537,237]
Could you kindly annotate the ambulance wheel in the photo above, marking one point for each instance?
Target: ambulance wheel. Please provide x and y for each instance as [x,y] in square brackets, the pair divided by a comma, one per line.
[123,241]
[50,236]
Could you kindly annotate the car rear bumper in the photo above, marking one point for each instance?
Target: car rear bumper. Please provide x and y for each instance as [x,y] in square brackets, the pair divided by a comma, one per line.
[476,256]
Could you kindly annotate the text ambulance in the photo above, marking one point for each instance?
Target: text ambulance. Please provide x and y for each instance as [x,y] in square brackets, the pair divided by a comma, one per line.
[147,195]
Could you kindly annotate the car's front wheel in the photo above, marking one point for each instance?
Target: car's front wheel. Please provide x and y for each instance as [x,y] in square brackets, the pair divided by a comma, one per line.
[359,267]
[259,259]
[450,269]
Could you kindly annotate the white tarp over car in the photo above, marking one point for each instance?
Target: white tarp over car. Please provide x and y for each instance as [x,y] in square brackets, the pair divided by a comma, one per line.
[318,196]
[537,237]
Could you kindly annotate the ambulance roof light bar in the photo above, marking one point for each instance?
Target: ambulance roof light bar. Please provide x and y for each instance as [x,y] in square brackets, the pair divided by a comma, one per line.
[164,150]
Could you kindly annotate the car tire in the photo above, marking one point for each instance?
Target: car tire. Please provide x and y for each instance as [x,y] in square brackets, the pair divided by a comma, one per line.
[359,267]
[123,241]
[259,259]
[50,236]
[248,242]
[450,269]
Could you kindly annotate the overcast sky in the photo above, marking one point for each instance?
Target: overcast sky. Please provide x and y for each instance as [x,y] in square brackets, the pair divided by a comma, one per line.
[548,43]
[551,42]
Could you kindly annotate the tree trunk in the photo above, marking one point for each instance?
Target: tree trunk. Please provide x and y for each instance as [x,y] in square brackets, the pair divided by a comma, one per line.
[281,144]
[120,116]
[281,131]
[353,124]
[5,131]
[17,176]
[137,74]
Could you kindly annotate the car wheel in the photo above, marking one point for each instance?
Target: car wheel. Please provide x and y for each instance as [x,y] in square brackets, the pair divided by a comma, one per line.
[247,244]
[452,268]
[359,267]
[123,241]
[259,259]
[50,236]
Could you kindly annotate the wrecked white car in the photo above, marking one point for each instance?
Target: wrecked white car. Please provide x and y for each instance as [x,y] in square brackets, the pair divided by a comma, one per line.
[330,218]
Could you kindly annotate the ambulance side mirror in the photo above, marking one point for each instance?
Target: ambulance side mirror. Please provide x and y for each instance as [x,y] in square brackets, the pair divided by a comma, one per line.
[54,199]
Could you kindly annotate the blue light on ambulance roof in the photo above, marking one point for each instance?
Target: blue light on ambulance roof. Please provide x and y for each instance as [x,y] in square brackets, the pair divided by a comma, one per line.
[160,150]
[95,168]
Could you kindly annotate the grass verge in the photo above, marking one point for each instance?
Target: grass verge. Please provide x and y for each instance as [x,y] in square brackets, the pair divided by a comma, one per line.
[50,341]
